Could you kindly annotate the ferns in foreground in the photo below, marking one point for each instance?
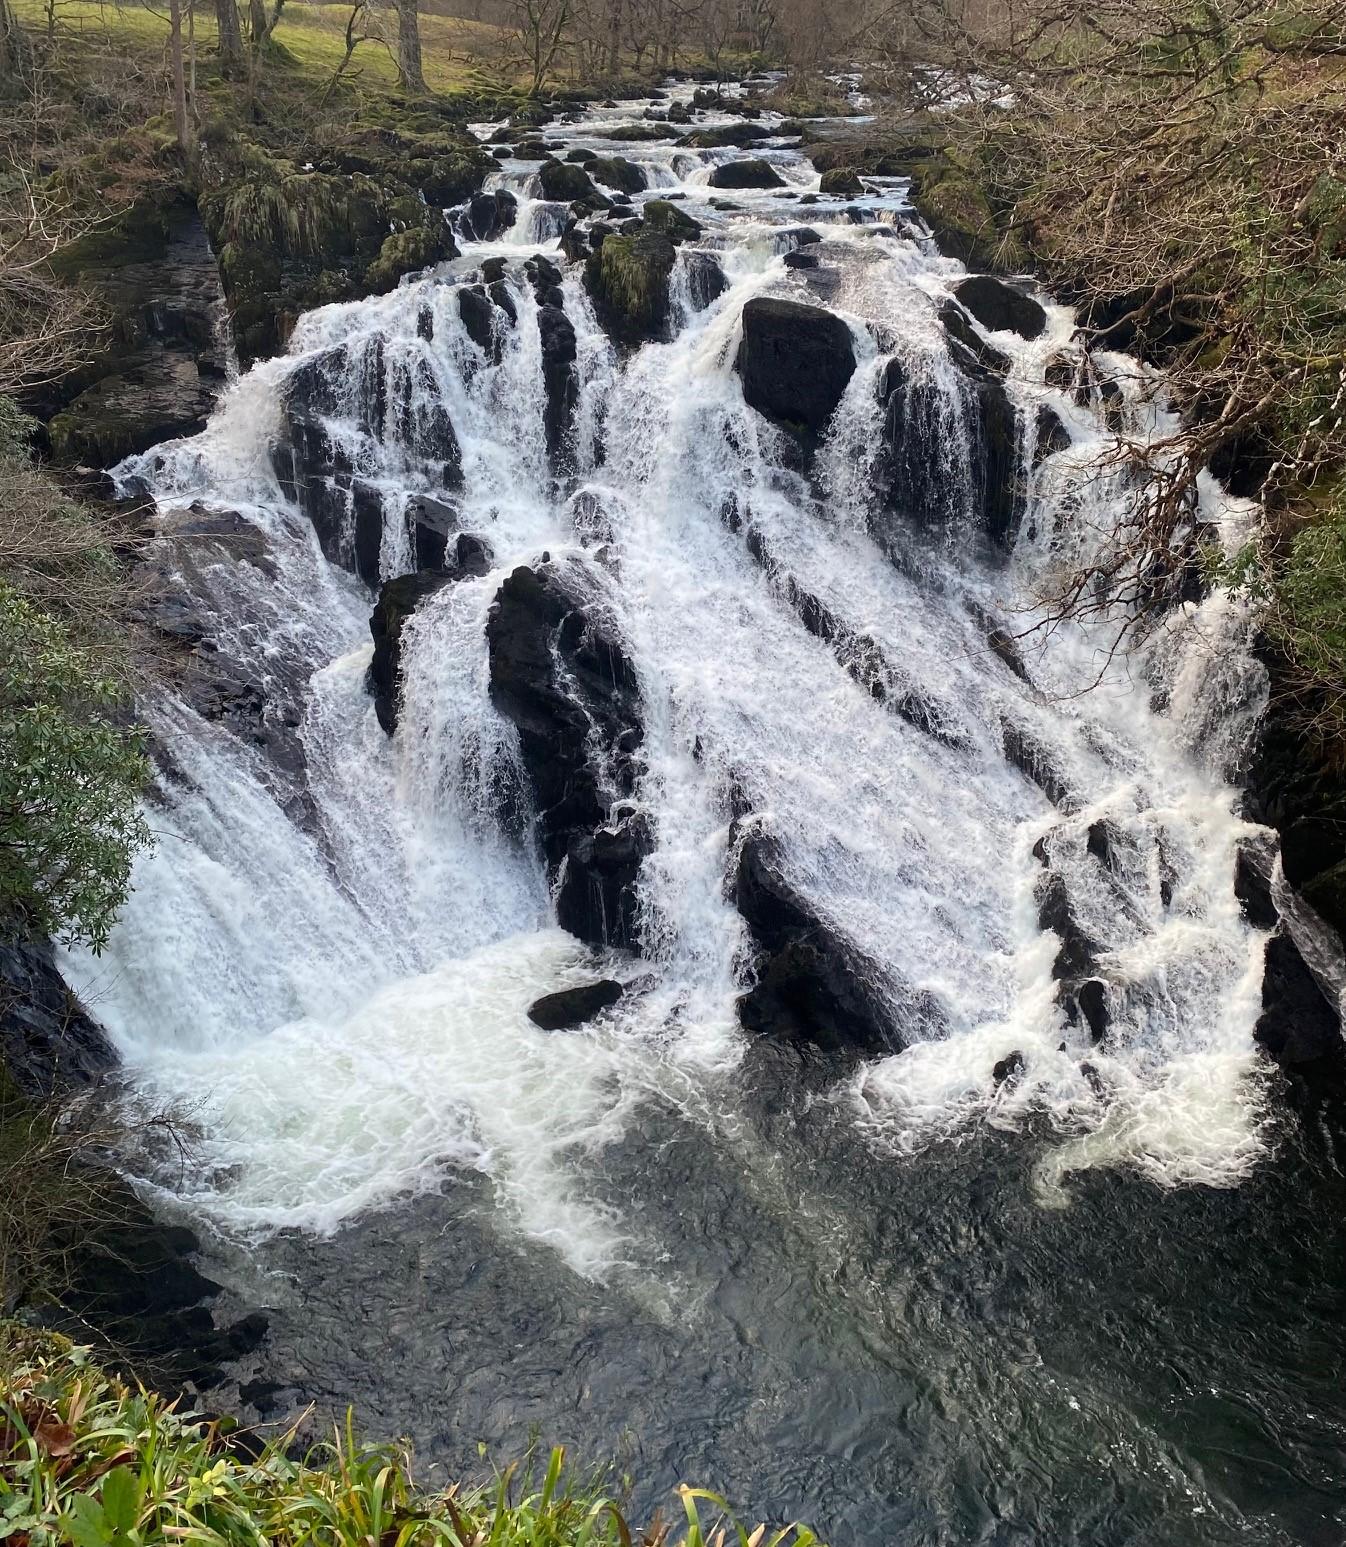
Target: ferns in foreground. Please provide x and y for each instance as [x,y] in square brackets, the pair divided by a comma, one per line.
[89,1461]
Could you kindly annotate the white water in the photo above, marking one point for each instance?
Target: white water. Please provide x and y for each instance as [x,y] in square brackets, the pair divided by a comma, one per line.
[342,1002]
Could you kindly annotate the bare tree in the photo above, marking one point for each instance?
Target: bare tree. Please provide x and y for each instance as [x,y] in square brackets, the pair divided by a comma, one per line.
[230,32]
[540,32]
[409,68]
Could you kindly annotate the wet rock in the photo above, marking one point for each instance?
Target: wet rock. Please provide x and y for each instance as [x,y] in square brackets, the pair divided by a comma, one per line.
[559,378]
[563,181]
[617,172]
[1051,435]
[723,135]
[160,396]
[1253,867]
[628,279]
[842,182]
[560,675]
[915,478]
[801,260]
[1092,999]
[1000,307]
[480,320]
[431,523]
[964,337]
[753,173]
[811,986]
[1008,1069]
[705,279]
[398,599]
[571,1007]
[487,215]
[581,154]
[666,218]
[795,362]
[1028,755]
[1076,957]
[1299,1027]
[49,1045]
[1102,840]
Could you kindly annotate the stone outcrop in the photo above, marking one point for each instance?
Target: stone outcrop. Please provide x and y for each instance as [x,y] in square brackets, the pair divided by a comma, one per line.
[560,674]
[795,362]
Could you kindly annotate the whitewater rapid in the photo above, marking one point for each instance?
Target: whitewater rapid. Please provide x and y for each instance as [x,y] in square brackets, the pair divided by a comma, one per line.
[330,970]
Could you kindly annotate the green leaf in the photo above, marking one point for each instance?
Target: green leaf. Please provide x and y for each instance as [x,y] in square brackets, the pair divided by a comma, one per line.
[85,1523]
[121,1499]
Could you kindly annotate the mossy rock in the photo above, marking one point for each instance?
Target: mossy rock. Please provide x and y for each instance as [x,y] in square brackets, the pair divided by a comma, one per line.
[563,181]
[960,218]
[841,181]
[407,252]
[616,172]
[628,280]
[676,224]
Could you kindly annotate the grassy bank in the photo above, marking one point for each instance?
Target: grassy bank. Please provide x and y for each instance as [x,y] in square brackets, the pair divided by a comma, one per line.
[88,1460]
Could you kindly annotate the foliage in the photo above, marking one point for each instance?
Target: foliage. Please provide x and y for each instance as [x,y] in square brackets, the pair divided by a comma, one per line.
[90,1461]
[70,779]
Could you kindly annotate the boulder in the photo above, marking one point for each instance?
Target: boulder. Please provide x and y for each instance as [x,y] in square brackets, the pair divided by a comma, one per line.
[628,280]
[570,1007]
[1050,435]
[811,985]
[724,135]
[968,348]
[795,362]
[482,320]
[562,181]
[487,215]
[705,279]
[160,395]
[431,523]
[1000,308]
[752,173]
[841,181]
[560,675]
[666,218]
[617,172]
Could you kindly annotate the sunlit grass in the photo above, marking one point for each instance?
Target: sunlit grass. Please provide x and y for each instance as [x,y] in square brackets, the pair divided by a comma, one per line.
[313,35]
[88,1461]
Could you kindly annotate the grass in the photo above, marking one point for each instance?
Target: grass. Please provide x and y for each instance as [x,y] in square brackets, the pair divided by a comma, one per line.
[87,1460]
[311,35]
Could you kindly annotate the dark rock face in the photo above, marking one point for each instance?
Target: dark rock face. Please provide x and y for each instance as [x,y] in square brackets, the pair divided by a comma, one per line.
[705,279]
[48,1044]
[1298,1027]
[574,1006]
[559,377]
[315,466]
[795,362]
[398,599]
[811,986]
[1027,754]
[431,523]
[487,215]
[967,346]
[918,482]
[562,678]
[753,173]
[1051,435]
[159,376]
[563,181]
[628,279]
[1001,308]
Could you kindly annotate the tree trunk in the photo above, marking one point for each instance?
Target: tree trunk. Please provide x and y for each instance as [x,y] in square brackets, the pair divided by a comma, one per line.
[9,41]
[257,22]
[409,48]
[231,37]
[179,81]
[614,37]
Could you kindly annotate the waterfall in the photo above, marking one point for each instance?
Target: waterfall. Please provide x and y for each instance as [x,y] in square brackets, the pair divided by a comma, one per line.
[328,958]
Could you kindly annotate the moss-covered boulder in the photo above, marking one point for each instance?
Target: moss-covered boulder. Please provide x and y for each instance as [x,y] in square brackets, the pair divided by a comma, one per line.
[628,280]
[563,181]
[841,181]
[676,224]
[737,135]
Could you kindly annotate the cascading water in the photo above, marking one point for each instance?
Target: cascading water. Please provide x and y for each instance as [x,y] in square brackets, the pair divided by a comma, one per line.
[329,957]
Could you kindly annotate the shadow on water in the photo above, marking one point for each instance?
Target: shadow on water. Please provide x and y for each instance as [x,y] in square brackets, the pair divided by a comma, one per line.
[901,1350]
